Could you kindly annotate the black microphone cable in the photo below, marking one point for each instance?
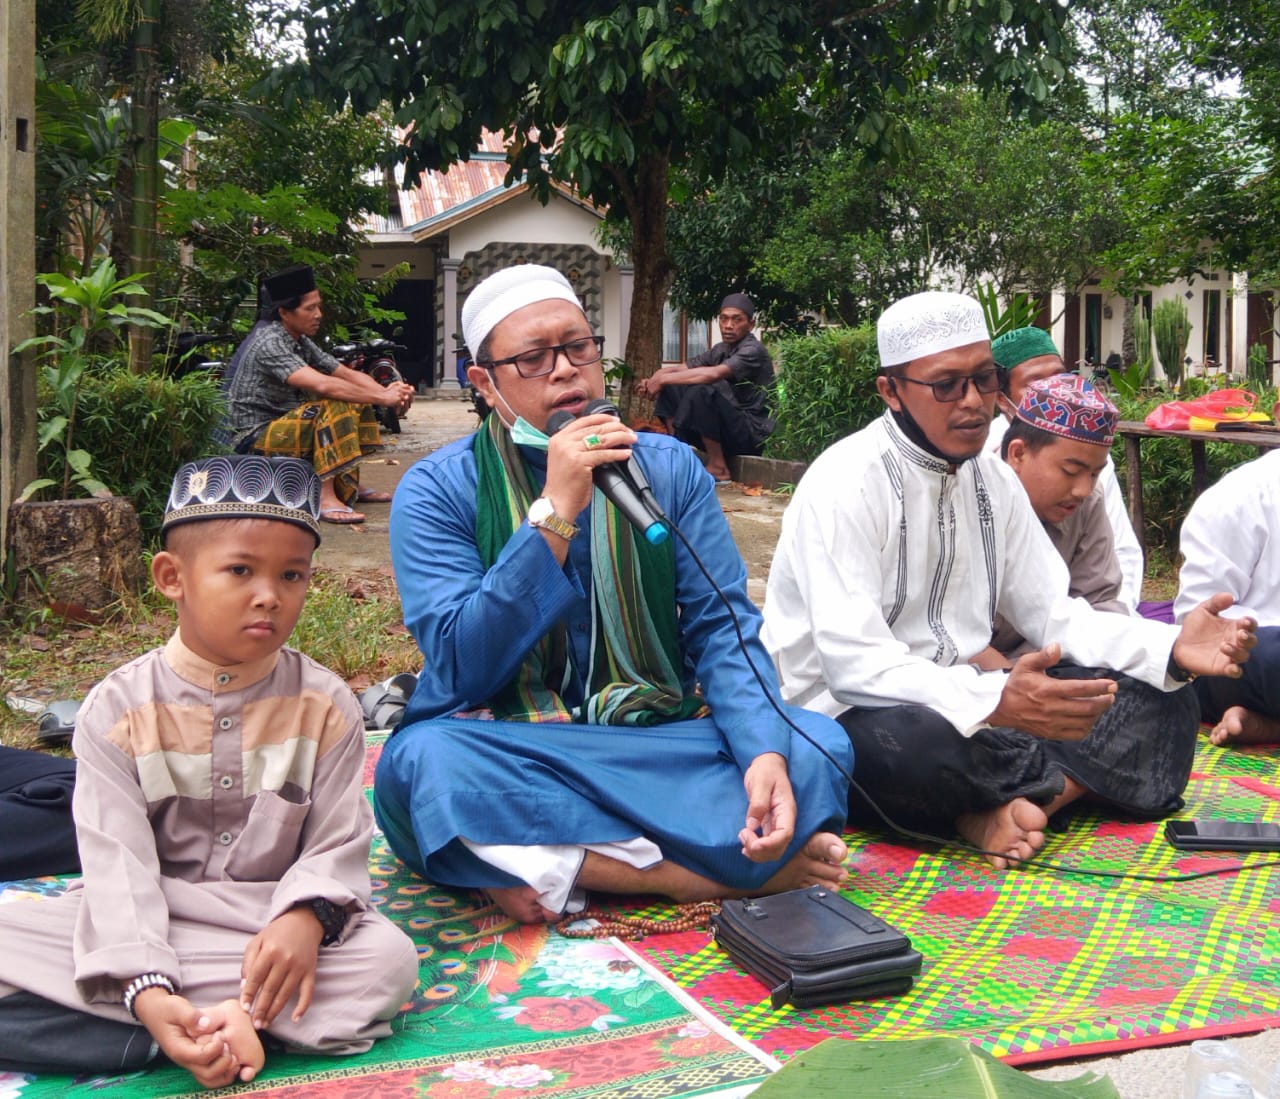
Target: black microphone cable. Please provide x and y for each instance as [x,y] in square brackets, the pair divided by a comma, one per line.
[926,837]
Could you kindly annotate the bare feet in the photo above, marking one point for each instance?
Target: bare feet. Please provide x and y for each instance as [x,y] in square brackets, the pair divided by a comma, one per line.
[230,1022]
[1014,831]
[520,902]
[1240,726]
[818,862]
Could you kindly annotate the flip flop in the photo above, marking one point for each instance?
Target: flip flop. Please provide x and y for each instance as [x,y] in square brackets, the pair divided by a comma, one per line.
[341,515]
[373,496]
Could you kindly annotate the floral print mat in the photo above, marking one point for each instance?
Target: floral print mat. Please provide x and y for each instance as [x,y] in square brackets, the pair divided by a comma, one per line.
[501,1011]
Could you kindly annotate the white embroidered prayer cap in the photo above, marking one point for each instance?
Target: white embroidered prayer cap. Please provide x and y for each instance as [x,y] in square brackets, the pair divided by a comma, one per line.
[505,291]
[926,323]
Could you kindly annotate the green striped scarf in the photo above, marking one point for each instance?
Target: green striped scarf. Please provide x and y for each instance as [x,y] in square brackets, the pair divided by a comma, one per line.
[635,673]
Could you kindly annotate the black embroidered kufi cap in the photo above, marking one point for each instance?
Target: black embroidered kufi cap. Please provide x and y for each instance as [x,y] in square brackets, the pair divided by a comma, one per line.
[245,486]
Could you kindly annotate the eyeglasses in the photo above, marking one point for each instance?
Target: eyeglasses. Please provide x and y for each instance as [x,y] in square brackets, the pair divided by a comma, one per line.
[947,390]
[542,360]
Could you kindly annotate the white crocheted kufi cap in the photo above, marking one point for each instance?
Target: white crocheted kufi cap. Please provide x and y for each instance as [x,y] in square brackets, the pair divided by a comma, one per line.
[927,323]
[502,293]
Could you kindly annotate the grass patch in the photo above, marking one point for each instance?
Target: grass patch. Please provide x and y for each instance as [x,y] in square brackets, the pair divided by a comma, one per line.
[349,624]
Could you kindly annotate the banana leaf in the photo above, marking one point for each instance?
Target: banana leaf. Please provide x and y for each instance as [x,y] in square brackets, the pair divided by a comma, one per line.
[946,1068]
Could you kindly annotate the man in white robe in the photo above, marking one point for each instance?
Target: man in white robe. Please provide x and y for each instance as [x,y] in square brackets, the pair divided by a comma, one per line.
[1027,355]
[902,543]
[1231,542]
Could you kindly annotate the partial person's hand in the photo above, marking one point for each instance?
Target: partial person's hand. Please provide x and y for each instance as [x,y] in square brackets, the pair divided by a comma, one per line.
[991,660]
[573,454]
[1209,644]
[771,809]
[398,395]
[187,1036]
[1056,709]
[650,386]
[279,961]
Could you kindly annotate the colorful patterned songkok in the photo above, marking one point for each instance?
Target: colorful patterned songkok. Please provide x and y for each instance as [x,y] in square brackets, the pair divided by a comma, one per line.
[1069,406]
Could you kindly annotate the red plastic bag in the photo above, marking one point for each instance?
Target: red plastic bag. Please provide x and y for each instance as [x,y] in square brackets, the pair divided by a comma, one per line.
[1222,405]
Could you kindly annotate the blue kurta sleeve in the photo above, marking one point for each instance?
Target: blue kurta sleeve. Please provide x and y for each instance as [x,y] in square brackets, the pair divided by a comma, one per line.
[737,699]
[474,626]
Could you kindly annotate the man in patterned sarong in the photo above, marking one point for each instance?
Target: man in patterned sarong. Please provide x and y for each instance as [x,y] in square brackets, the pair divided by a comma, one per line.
[288,398]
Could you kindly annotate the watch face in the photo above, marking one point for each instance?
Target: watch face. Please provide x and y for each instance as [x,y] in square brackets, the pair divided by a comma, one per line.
[540,510]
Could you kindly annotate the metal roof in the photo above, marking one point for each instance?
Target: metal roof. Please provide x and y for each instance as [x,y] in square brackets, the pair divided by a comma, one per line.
[440,199]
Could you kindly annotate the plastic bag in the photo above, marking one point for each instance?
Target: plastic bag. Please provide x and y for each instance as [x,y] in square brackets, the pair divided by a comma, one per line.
[1203,413]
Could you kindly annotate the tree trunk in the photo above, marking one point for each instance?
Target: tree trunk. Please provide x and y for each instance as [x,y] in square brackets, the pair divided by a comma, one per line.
[1128,344]
[651,280]
[142,218]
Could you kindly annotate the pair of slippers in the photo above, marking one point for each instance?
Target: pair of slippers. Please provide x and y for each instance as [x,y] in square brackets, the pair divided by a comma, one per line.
[345,516]
[383,703]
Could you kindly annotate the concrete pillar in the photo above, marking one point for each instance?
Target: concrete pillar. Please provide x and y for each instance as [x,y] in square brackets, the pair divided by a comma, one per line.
[1238,364]
[450,337]
[17,251]
[626,285]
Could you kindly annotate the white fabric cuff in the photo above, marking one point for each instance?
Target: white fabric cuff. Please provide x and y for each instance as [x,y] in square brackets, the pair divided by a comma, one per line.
[552,869]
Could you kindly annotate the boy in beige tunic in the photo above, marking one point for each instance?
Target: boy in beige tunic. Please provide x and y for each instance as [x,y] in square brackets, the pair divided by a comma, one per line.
[223,830]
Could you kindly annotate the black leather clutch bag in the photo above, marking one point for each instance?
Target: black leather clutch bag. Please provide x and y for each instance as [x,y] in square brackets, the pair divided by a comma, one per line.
[812,946]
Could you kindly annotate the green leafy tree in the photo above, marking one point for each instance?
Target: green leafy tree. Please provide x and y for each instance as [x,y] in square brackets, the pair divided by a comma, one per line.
[609,96]
[273,184]
[985,195]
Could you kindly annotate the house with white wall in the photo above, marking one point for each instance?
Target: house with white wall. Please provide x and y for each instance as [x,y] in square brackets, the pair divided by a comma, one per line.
[454,228]
[1226,317]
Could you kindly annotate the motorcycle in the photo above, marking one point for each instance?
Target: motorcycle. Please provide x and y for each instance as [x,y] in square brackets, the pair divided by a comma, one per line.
[181,356]
[377,358]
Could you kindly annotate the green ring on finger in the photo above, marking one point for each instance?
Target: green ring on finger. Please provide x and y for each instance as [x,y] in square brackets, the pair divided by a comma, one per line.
[592,441]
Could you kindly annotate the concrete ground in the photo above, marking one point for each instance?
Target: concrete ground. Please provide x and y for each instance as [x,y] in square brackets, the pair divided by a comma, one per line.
[754,520]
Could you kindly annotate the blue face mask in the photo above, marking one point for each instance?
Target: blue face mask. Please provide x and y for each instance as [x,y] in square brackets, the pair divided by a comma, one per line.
[523,433]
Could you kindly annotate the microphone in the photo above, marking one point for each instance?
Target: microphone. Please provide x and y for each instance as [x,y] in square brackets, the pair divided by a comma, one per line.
[623,484]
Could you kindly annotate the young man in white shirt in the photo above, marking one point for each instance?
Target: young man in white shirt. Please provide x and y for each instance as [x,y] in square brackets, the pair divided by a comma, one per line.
[900,546]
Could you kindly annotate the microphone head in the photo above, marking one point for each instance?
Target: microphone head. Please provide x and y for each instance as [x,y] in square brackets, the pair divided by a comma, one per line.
[601,405]
[559,419]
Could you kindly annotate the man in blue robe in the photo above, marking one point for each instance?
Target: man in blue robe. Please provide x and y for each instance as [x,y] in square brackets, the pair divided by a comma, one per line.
[587,717]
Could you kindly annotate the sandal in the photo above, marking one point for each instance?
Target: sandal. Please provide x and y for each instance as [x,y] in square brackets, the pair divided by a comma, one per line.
[341,515]
[57,723]
[373,496]
[384,703]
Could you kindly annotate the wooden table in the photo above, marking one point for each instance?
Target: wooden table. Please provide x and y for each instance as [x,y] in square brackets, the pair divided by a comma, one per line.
[1134,431]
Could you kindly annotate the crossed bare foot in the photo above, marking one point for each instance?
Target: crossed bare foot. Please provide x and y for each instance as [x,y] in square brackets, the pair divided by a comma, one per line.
[819,862]
[230,1022]
[520,902]
[1013,831]
[1240,726]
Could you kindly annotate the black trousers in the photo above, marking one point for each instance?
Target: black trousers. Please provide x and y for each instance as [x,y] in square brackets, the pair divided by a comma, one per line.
[707,411]
[37,834]
[1258,689]
[37,1035]
[915,765]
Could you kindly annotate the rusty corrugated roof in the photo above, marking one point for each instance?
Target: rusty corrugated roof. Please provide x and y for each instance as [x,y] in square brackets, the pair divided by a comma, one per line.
[442,198]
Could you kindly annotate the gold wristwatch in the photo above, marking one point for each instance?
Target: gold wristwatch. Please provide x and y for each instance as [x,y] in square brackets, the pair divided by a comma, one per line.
[542,514]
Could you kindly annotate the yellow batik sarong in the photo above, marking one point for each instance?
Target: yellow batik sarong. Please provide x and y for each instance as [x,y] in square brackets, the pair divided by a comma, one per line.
[332,435]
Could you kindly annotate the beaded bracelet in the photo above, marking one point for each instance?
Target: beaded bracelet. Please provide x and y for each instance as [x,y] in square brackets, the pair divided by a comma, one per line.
[145,981]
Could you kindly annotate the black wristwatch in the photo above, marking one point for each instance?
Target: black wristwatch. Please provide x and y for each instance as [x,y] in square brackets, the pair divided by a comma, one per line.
[332,918]
[1177,672]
